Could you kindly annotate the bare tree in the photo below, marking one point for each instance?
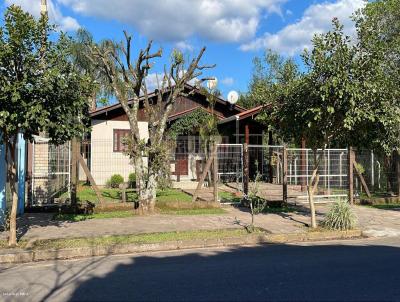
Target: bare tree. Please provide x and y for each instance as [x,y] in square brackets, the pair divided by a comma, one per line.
[127,76]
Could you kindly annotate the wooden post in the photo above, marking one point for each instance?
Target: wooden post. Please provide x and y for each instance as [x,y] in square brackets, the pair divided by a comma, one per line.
[398,172]
[247,134]
[350,157]
[303,164]
[246,169]
[204,174]
[215,175]
[284,176]
[90,177]
[362,180]
[74,174]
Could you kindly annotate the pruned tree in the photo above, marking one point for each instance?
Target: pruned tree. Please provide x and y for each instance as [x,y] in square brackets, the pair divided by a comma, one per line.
[39,90]
[127,75]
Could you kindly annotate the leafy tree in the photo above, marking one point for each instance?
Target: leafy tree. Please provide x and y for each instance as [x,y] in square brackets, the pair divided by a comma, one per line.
[39,90]
[378,64]
[127,76]
[321,105]
[80,46]
[270,74]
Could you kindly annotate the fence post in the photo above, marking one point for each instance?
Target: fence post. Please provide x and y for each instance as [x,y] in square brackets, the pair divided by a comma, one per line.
[398,172]
[350,156]
[245,169]
[303,165]
[284,176]
[215,175]
[74,173]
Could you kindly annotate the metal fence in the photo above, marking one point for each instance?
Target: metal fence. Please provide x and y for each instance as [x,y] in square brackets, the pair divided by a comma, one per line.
[332,170]
[51,168]
[230,165]
[51,178]
[379,172]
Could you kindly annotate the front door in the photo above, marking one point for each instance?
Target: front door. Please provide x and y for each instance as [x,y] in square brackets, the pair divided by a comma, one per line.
[181,156]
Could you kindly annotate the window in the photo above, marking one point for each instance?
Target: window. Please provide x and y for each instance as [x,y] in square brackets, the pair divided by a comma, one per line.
[118,140]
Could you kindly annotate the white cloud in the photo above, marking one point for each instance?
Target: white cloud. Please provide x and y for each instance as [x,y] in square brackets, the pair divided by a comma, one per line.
[228,81]
[154,81]
[177,20]
[65,23]
[317,19]
[184,46]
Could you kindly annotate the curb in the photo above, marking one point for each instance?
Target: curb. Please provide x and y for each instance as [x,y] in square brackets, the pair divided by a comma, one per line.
[25,256]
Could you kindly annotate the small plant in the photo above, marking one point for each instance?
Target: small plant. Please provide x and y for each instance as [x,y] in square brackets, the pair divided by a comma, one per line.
[256,204]
[115,181]
[132,180]
[340,217]
[4,220]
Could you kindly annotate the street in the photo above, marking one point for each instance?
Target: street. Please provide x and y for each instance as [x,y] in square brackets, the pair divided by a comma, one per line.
[342,270]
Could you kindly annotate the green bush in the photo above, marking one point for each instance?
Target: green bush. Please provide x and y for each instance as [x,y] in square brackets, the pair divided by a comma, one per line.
[115,181]
[132,180]
[340,217]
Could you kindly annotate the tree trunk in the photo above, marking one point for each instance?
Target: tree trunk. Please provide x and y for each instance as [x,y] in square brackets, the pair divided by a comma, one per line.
[12,176]
[312,187]
[312,206]
[146,187]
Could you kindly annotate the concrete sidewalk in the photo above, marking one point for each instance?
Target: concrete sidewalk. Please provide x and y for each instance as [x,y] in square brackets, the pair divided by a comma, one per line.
[41,226]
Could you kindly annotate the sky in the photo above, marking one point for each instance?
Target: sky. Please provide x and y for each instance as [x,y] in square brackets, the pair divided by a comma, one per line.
[234,31]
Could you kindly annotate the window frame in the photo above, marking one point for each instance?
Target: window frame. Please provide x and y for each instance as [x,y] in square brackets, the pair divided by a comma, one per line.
[118,134]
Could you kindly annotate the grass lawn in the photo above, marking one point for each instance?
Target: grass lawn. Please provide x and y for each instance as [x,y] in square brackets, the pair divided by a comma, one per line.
[388,206]
[139,238]
[81,217]
[131,239]
[282,209]
[169,201]
[228,197]
[86,193]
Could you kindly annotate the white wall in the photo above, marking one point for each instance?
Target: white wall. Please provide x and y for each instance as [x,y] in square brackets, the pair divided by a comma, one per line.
[104,161]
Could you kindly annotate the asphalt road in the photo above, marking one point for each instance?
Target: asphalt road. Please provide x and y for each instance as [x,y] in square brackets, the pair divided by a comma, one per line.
[343,270]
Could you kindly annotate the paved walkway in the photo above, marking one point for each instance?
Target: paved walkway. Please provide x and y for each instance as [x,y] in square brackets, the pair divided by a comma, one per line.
[40,225]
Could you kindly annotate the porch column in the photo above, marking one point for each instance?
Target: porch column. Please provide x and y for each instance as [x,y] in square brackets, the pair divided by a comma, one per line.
[237,130]
[246,134]
[3,176]
[21,150]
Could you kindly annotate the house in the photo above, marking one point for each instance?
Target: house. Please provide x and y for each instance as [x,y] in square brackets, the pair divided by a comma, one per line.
[104,151]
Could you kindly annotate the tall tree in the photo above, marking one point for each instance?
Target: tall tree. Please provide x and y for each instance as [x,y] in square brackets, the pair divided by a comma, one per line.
[271,72]
[39,90]
[128,79]
[378,48]
[80,46]
[322,105]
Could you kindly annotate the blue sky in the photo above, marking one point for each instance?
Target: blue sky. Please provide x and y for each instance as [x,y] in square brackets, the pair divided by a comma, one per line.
[234,31]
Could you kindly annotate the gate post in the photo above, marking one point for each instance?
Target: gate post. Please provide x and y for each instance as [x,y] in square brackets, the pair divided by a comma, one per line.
[284,176]
[350,157]
[74,173]
[245,169]
[215,174]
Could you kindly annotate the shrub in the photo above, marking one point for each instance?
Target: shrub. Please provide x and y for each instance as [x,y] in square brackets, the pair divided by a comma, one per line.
[132,180]
[115,181]
[340,217]
[4,220]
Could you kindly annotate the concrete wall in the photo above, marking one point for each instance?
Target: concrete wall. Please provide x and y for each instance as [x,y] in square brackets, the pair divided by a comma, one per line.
[104,161]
